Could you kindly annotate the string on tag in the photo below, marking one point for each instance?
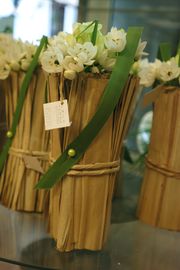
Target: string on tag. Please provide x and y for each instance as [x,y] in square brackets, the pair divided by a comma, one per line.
[61,84]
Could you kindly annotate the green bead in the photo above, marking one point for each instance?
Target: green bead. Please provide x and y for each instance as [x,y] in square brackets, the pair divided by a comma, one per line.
[71,152]
[9,134]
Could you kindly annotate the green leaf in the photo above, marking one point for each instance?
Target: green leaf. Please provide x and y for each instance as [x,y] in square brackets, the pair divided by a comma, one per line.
[178,53]
[165,51]
[20,102]
[94,33]
[85,29]
[108,102]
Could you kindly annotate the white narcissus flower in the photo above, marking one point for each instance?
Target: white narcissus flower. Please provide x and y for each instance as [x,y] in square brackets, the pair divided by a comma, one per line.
[18,54]
[13,55]
[71,67]
[4,68]
[25,64]
[63,41]
[140,50]
[51,60]
[105,61]
[69,63]
[85,53]
[14,65]
[147,71]
[6,42]
[115,40]
[168,71]
[156,65]
[11,51]
[28,51]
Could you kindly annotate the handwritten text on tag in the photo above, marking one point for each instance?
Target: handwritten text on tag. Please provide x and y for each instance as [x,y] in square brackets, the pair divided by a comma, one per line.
[56,115]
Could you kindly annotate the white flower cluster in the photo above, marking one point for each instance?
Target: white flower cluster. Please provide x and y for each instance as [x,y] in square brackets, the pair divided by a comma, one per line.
[74,53]
[14,55]
[160,71]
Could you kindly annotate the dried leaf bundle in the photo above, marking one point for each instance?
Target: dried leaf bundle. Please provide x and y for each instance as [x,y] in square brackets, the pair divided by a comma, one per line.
[80,205]
[159,203]
[17,181]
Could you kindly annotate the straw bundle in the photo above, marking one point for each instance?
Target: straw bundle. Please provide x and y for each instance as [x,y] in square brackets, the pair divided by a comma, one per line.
[2,118]
[159,203]
[80,205]
[17,181]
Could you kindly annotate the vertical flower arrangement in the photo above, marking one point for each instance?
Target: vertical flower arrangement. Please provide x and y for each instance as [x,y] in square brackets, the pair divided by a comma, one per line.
[86,155]
[159,199]
[25,154]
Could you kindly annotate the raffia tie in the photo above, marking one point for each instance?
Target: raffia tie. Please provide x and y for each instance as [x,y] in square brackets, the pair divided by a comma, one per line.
[21,152]
[162,169]
[94,169]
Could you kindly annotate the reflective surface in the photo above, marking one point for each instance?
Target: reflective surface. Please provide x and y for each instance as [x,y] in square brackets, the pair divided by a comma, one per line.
[131,246]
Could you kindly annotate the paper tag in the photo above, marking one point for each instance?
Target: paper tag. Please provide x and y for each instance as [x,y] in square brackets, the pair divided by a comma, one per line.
[32,163]
[56,115]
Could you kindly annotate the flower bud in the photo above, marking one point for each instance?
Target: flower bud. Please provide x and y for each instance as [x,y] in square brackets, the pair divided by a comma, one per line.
[70,74]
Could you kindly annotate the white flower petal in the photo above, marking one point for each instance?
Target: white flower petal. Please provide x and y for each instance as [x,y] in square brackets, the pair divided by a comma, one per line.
[4,69]
[115,40]
[105,61]
[85,53]
[168,71]
[69,63]
[51,60]
[140,50]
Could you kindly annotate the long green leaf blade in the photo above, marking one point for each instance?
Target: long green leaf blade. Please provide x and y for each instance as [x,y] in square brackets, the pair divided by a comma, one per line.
[165,51]
[94,33]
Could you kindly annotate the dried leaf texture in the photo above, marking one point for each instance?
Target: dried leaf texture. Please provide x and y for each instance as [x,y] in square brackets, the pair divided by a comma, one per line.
[17,182]
[159,202]
[80,206]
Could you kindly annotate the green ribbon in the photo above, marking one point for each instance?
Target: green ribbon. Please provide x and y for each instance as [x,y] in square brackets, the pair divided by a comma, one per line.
[107,104]
[20,102]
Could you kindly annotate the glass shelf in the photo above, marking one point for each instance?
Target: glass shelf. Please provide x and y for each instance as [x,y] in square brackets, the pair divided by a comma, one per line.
[130,246]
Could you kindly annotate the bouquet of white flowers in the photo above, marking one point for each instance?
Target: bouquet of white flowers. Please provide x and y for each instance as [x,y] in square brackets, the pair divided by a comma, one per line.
[158,72]
[159,200]
[78,68]
[77,52]
[15,55]
[26,139]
